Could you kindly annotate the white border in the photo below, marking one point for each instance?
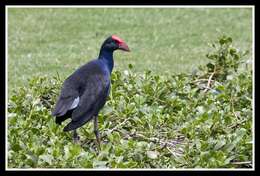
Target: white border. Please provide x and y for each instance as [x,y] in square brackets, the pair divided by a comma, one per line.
[6,84]
[253,92]
[131,6]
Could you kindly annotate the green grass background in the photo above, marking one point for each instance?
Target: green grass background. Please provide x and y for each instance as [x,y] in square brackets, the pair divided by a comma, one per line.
[43,41]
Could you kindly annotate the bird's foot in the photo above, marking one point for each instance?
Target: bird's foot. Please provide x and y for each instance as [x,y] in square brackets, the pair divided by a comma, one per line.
[76,140]
[97,140]
[76,137]
[98,146]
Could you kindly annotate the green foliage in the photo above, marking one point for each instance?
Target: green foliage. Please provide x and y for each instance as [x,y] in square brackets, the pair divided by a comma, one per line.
[149,121]
[226,59]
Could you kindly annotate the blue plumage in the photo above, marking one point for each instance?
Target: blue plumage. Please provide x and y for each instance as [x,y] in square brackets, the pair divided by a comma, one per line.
[84,92]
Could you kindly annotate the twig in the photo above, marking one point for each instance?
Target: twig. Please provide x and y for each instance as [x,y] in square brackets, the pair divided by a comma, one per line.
[233,109]
[115,128]
[236,124]
[173,153]
[209,80]
[171,143]
[204,80]
[178,142]
[162,143]
[200,80]
[206,88]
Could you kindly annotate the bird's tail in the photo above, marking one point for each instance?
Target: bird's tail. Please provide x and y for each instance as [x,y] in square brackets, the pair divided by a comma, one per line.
[76,124]
[60,119]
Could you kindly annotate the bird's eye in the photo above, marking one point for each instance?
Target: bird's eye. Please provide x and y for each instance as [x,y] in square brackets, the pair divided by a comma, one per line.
[116,42]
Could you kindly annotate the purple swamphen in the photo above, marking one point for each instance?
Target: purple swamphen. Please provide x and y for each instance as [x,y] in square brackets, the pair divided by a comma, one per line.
[84,92]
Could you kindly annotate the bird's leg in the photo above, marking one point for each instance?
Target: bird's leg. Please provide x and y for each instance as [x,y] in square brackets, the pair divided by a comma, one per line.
[75,136]
[96,130]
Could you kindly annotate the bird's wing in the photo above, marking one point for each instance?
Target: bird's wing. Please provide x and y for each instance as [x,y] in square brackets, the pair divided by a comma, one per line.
[90,102]
[66,99]
[94,93]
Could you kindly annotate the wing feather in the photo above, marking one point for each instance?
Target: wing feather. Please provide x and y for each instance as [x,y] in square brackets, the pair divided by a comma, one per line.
[90,102]
[65,100]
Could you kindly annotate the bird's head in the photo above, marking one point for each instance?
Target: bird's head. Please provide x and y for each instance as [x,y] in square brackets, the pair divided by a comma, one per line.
[113,43]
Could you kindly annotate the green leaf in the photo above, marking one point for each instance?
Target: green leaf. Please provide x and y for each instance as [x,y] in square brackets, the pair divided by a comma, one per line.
[16,147]
[46,158]
[152,154]
[130,66]
[99,164]
[219,144]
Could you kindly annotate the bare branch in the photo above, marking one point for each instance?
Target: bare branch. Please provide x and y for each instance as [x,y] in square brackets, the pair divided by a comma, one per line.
[209,81]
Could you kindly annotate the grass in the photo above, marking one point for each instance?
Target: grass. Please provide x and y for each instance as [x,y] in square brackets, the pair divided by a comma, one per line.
[46,41]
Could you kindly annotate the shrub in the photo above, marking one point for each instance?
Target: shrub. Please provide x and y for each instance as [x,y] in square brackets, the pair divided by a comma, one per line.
[150,121]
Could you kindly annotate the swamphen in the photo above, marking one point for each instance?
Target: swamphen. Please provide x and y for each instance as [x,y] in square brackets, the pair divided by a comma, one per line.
[84,92]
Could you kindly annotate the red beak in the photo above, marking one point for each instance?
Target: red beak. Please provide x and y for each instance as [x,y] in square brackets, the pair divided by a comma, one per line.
[123,46]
